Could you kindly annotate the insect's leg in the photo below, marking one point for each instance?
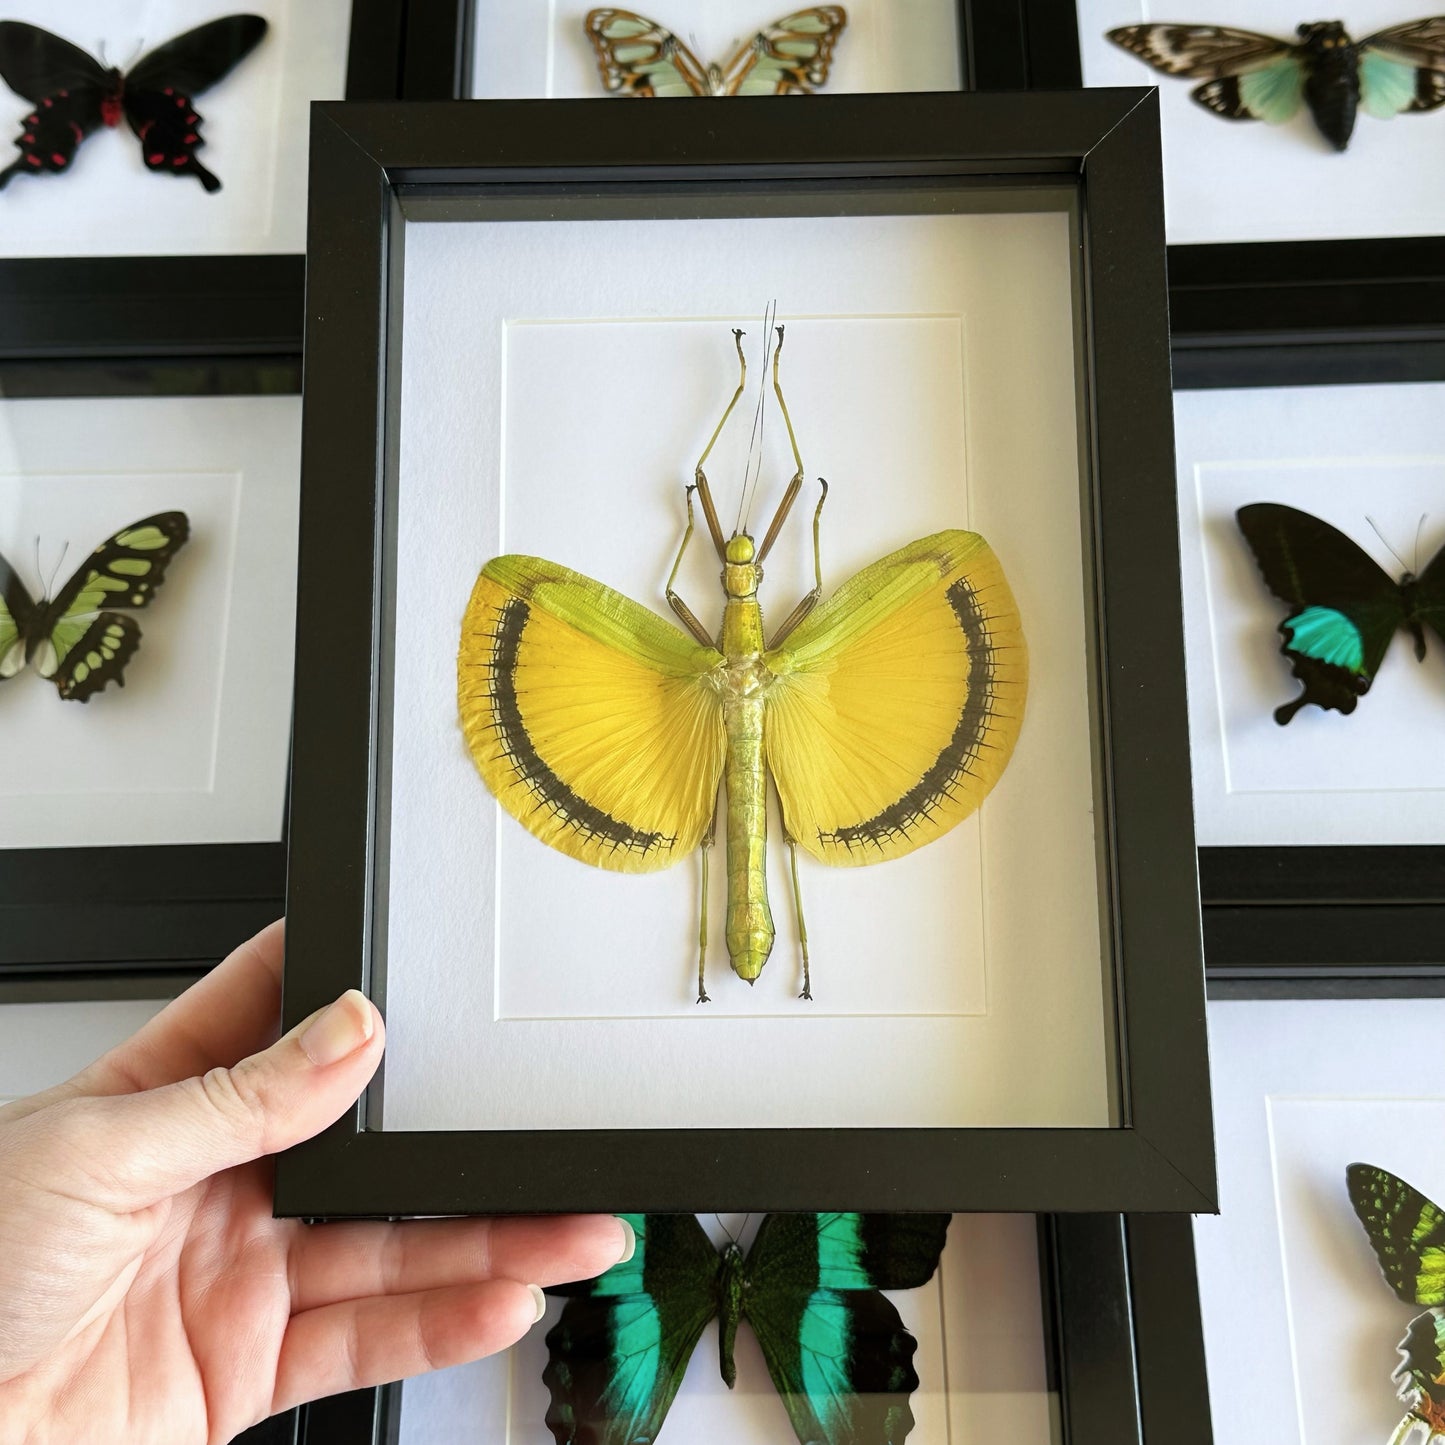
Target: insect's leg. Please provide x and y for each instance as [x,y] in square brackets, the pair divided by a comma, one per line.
[704,491]
[811,600]
[795,484]
[702,911]
[688,617]
[807,992]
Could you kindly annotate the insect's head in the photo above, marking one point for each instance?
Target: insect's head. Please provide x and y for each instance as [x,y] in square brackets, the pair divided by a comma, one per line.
[1318,35]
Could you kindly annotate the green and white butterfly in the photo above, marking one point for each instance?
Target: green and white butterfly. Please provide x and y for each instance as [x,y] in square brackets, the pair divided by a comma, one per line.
[1407,1232]
[791,56]
[836,1349]
[81,639]
[1249,76]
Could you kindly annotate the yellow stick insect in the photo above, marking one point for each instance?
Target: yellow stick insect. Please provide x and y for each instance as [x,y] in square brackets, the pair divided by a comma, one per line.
[884,716]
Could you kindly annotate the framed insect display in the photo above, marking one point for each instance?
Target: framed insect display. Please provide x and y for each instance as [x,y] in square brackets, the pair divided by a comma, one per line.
[1281,124]
[1056,1355]
[1319,1283]
[148,532]
[110,107]
[1312,862]
[513,588]
[474,48]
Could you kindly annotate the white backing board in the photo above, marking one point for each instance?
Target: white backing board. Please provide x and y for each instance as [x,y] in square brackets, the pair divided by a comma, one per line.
[254,127]
[980,1362]
[538,48]
[562,422]
[1349,455]
[1247,181]
[193,748]
[1300,1326]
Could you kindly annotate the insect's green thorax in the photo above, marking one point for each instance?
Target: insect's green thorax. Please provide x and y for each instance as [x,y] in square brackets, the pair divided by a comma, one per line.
[729,1310]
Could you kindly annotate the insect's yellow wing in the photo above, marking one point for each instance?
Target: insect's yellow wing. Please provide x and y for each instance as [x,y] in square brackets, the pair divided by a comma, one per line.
[896,704]
[597,724]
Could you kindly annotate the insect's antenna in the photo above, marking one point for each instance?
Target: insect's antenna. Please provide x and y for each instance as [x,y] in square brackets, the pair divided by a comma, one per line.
[1419,527]
[1404,566]
[134,55]
[39,575]
[755,448]
[725,1229]
[60,562]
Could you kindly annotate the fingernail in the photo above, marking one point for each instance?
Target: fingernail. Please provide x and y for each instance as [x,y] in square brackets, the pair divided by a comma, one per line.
[539,1303]
[338,1030]
[629,1245]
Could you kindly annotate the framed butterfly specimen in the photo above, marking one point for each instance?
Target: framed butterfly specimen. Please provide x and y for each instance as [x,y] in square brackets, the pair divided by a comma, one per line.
[83,637]
[883,716]
[1407,1232]
[1249,76]
[836,1349]
[75,95]
[1346,607]
[639,57]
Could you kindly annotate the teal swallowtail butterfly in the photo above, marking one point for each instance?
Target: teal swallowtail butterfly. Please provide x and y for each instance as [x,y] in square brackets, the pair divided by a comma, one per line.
[1407,1232]
[1345,606]
[1249,76]
[836,1349]
[74,94]
[792,56]
[79,639]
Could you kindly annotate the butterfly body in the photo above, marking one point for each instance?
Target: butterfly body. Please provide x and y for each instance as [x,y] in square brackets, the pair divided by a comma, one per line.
[75,95]
[1250,76]
[836,1349]
[1345,606]
[639,57]
[78,639]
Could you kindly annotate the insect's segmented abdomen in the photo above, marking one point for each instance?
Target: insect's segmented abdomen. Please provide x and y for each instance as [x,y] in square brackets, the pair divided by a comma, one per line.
[1332,92]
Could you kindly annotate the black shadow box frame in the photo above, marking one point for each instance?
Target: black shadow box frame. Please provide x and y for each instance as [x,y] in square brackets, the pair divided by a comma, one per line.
[1122,1331]
[156,306]
[1318,921]
[1005,45]
[148,921]
[372,168]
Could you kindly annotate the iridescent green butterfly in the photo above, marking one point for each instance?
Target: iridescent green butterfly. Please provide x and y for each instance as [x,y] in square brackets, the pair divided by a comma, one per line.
[1346,607]
[1249,76]
[78,639]
[835,1347]
[1407,1232]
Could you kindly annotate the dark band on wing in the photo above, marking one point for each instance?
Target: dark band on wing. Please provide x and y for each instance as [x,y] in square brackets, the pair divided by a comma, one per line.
[528,764]
[959,753]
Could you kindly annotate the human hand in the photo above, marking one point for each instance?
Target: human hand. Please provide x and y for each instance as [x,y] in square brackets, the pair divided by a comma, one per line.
[146,1293]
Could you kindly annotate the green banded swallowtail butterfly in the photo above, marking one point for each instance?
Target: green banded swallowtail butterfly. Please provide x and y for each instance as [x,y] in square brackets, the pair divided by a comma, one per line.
[81,639]
[836,1349]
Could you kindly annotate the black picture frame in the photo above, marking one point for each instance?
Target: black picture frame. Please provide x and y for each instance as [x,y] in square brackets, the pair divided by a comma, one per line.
[1004,44]
[172,306]
[372,166]
[1122,1335]
[1362,921]
[149,920]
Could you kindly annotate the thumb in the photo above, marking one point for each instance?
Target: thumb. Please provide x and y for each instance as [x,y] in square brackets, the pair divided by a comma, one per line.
[162,1141]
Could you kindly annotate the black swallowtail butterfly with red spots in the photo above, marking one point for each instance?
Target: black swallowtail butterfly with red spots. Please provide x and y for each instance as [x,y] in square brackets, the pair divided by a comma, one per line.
[74,94]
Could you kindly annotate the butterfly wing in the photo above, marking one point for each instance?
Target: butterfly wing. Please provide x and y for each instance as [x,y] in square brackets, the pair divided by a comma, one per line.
[80,641]
[1346,607]
[594,722]
[159,91]
[17,613]
[1406,1231]
[1420,1375]
[1429,600]
[66,87]
[896,704]
[836,1349]
[618,1354]
[641,57]
[792,56]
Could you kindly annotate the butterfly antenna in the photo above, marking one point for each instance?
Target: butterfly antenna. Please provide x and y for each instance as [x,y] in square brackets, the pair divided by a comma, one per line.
[60,562]
[1404,566]
[754,461]
[1419,527]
